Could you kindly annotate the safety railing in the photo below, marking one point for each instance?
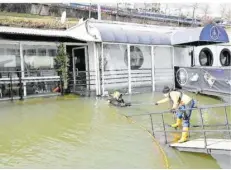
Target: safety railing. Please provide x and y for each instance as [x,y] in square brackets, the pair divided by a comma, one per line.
[140,79]
[17,84]
[202,125]
[84,82]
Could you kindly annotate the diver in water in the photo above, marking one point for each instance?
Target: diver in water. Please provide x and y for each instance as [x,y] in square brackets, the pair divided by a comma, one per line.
[117,100]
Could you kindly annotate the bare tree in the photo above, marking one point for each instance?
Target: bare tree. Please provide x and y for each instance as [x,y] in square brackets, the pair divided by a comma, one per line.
[206,9]
[228,15]
[195,7]
[223,10]
[205,19]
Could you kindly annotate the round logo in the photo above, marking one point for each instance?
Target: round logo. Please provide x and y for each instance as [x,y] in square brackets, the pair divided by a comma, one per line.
[214,33]
[182,76]
[136,58]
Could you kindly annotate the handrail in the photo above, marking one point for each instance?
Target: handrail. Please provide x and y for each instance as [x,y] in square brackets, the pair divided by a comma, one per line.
[196,108]
[200,108]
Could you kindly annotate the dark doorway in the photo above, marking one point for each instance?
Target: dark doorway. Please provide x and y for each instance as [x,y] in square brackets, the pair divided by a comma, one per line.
[77,68]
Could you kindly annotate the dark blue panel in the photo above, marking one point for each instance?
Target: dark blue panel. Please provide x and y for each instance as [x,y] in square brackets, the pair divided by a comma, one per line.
[127,34]
[214,33]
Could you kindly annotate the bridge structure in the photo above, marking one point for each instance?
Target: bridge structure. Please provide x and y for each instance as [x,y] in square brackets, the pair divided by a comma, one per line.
[205,143]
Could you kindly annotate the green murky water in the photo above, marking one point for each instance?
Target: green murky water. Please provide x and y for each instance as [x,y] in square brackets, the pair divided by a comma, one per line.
[74,132]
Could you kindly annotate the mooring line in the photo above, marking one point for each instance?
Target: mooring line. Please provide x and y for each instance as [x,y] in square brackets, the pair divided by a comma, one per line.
[164,156]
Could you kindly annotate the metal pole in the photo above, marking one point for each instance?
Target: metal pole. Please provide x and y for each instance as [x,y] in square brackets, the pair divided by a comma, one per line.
[152,126]
[98,69]
[202,124]
[99,11]
[129,70]
[96,73]
[20,86]
[73,69]
[11,87]
[173,66]
[165,136]
[102,68]
[89,11]
[227,121]
[22,68]
[153,69]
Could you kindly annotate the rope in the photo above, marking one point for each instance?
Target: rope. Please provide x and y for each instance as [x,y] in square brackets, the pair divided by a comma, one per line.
[165,159]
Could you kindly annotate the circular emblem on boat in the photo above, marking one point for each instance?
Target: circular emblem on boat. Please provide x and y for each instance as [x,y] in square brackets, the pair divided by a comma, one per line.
[182,76]
[137,58]
[214,33]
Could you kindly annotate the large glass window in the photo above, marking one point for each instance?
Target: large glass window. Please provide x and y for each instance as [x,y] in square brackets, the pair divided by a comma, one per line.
[225,57]
[39,60]
[9,57]
[206,57]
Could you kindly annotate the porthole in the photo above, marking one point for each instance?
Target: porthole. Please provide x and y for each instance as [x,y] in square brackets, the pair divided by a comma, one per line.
[137,58]
[206,57]
[225,57]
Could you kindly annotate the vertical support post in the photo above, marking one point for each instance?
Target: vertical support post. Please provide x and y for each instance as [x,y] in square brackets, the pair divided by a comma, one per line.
[173,67]
[165,136]
[73,69]
[11,87]
[153,69]
[22,68]
[227,121]
[96,72]
[99,11]
[65,83]
[152,125]
[96,50]
[88,69]
[102,69]
[129,70]
[98,69]
[204,133]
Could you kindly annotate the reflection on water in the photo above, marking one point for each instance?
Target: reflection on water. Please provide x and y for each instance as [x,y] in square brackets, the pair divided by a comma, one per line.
[86,133]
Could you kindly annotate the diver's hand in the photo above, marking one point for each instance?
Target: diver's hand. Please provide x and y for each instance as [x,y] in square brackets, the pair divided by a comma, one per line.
[156,103]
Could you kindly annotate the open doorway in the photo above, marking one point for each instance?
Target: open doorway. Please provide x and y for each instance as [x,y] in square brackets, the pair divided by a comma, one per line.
[77,68]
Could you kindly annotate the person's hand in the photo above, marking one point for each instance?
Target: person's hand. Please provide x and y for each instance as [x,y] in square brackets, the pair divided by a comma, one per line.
[156,103]
[173,110]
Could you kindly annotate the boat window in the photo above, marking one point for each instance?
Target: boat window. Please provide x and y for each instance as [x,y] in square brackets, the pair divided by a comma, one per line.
[31,52]
[1,51]
[52,52]
[206,57]
[41,52]
[225,57]
[137,58]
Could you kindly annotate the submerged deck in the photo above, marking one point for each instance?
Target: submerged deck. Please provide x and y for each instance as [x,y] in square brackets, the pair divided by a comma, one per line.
[216,146]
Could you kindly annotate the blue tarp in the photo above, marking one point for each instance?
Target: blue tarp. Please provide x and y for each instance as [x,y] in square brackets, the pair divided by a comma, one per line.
[210,34]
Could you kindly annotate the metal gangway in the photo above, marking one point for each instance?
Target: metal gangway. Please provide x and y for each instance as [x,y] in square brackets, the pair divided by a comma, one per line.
[205,144]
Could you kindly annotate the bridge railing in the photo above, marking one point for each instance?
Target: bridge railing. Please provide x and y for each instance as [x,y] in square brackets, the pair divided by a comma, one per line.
[202,126]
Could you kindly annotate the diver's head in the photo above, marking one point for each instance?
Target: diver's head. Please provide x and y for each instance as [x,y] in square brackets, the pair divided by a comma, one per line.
[166,90]
[117,95]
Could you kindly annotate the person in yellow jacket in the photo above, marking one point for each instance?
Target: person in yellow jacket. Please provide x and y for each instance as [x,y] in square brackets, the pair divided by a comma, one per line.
[180,102]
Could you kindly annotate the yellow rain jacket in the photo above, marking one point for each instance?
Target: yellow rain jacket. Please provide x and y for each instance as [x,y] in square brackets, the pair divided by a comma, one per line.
[174,97]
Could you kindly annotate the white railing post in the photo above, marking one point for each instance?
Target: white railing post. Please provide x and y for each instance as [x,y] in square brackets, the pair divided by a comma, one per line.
[96,68]
[102,69]
[22,68]
[173,67]
[153,69]
[129,70]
